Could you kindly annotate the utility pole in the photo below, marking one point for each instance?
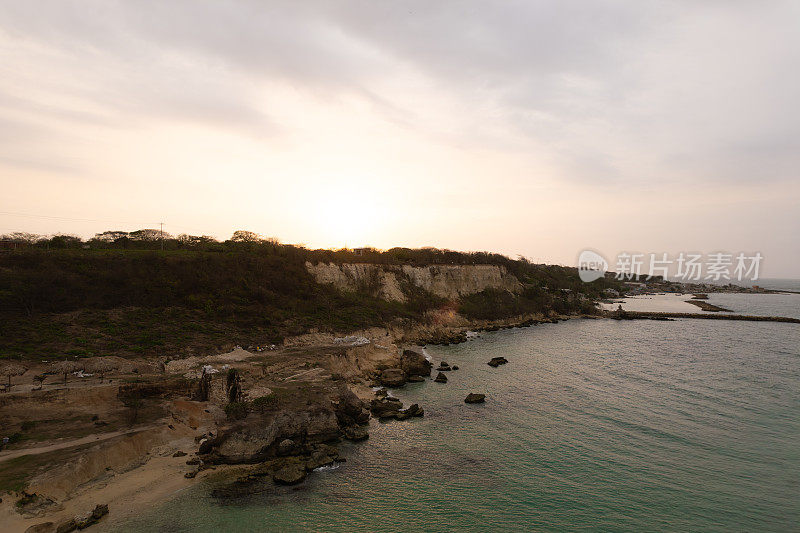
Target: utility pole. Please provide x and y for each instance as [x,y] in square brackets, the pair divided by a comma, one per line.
[162,236]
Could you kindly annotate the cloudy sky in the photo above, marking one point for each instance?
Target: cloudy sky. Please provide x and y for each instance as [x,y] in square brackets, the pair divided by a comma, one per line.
[533,128]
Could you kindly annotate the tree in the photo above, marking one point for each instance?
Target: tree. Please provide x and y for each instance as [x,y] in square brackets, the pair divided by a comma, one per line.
[195,240]
[245,236]
[65,241]
[148,235]
[110,236]
[22,237]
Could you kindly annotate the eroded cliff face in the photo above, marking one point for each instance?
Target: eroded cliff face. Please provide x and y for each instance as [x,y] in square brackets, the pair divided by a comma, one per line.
[446,281]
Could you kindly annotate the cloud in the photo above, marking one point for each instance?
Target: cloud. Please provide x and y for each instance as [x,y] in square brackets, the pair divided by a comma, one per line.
[613,100]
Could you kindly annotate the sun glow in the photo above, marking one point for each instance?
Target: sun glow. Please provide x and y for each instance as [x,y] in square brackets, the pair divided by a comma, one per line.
[350,215]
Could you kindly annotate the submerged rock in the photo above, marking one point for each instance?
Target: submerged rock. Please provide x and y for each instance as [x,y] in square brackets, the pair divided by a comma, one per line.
[356,433]
[415,379]
[290,472]
[473,397]
[497,361]
[440,378]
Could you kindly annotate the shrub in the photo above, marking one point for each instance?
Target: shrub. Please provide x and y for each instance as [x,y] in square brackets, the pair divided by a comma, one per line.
[236,410]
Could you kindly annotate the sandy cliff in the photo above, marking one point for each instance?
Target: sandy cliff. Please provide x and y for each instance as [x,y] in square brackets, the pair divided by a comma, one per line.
[446,281]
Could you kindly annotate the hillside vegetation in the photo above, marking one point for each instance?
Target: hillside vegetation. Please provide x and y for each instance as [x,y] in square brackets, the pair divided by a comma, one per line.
[126,296]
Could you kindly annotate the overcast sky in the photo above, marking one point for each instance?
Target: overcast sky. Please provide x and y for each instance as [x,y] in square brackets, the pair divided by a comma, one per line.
[533,128]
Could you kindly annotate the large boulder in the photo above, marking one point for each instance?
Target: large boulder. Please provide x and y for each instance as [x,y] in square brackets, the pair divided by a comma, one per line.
[259,437]
[413,410]
[497,361]
[414,363]
[473,397]
[349,408]
[392,377]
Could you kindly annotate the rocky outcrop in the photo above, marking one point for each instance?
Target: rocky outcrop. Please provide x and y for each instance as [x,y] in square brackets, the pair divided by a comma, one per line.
[413,410]
[473,397]
[291,472]
[443,367]
[386,281]
[497,361]
[440,378]
[356,433]
[414,363]
[392,377]
[71,524]
[289,430]
[388,408]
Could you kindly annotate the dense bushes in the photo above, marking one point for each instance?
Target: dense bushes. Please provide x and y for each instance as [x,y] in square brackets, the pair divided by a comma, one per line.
[125,296]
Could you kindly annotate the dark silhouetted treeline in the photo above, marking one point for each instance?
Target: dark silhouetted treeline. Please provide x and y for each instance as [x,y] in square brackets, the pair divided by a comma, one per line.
[119,293]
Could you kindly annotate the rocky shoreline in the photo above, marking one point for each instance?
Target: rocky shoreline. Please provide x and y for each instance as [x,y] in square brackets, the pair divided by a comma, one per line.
[263,416]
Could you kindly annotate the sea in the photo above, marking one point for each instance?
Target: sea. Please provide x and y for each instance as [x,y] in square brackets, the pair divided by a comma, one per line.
[593,425]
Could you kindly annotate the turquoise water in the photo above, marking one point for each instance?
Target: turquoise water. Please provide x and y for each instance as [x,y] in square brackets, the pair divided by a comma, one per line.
[689,425]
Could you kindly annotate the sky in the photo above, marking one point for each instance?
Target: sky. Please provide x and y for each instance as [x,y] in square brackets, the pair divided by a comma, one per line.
[522,127]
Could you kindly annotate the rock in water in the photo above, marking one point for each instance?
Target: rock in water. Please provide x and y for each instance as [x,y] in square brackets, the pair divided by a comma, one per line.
[415,379]
[475,398]
[441,378]
[356,433]
[290,473]
[385,407]
[414,364]
[414,410]
[392,377]
[497,361]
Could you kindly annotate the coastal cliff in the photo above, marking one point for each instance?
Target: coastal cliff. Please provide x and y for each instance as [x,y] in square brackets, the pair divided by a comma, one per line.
[391,282]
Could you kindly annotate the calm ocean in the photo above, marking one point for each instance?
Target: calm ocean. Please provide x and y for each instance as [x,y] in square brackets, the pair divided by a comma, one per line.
[594,425]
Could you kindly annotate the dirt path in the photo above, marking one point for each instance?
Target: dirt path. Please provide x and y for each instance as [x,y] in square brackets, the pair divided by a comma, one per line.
[11,454]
